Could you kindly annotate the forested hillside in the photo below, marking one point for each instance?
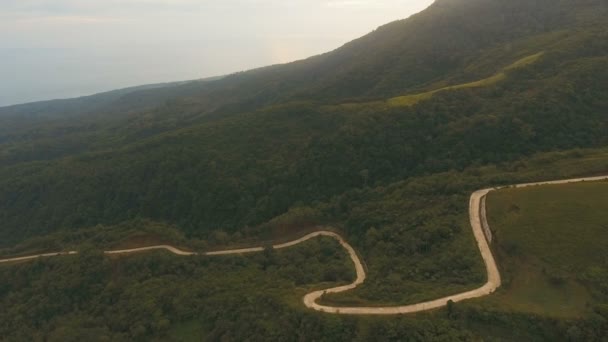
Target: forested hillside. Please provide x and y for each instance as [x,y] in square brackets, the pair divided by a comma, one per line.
[244,169]
[438,47]
[383,138]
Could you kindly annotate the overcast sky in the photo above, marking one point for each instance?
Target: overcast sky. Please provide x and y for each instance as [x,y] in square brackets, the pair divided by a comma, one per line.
[66,48]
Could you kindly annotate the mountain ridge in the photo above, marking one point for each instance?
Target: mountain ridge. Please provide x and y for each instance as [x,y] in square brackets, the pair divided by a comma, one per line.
[434,21]
[232,141]
[271,153]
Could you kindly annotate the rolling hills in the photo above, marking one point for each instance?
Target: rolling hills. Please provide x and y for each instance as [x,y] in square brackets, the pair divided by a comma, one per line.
[483,92]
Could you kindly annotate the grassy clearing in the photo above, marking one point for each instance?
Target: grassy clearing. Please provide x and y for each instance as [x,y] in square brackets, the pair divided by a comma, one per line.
[525,61]
[192,330]
[410,100]
[551,242]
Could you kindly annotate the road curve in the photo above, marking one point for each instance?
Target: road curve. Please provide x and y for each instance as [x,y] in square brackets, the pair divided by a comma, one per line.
[477,219]
[310,300]
[145,249]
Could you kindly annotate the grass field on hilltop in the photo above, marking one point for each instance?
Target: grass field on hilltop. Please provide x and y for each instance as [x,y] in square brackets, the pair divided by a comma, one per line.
[552,246]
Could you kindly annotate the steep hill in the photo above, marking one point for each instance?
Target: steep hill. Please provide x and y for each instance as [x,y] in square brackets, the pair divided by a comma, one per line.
[432,46]
[382,139]
[452,42]
[298,133]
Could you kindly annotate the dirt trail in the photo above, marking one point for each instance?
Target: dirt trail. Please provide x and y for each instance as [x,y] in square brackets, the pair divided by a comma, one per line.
[477,219]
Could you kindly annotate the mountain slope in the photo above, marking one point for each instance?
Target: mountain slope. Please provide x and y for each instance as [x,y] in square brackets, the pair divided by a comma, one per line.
[483,93]
[397,57]
[241,150]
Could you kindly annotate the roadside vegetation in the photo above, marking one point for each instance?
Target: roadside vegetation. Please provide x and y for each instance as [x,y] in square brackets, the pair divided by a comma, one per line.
[273,153]
[95,298]
[416,245]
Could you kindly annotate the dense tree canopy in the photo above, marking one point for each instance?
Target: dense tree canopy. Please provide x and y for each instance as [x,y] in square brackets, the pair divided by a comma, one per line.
[275,151]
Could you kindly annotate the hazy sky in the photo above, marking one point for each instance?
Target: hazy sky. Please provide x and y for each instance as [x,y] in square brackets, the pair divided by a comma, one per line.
[66,48]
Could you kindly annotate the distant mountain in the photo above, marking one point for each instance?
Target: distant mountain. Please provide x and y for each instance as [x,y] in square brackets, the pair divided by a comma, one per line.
[436,45]
[383,139]
[116,100]
[465,82]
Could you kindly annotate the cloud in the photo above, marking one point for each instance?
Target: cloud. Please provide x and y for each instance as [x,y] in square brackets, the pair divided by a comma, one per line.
[91,7]
[104,44]
[348,3]
[65,19]
[96,6]
[377,4]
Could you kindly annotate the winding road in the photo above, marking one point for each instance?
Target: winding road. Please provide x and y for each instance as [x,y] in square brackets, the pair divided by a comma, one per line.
[481,232]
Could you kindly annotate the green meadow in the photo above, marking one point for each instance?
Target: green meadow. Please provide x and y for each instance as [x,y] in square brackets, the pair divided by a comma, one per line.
[552,246]
[410,100]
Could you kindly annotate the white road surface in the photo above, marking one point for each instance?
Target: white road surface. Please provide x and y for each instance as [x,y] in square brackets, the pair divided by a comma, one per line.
[310,299]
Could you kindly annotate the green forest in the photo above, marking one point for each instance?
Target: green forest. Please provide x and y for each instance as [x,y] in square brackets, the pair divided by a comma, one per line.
[383,140]
[160,295]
